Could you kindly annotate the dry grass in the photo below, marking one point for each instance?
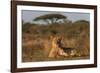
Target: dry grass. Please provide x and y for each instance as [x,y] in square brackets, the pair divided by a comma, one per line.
[38,50]
[36,42]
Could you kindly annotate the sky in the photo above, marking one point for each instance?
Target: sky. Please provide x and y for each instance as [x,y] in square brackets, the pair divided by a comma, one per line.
[29,15]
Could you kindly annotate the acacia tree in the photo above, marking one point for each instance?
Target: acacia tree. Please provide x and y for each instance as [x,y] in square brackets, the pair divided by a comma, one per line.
[51,18]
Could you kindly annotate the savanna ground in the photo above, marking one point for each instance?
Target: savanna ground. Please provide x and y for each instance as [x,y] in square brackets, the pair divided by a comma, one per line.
[36,41]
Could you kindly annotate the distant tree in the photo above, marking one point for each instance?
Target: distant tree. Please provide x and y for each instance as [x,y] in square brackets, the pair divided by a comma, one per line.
[51,18]
[81,21]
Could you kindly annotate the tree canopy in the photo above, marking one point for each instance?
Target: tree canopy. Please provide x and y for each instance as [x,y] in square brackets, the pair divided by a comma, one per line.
[51,18]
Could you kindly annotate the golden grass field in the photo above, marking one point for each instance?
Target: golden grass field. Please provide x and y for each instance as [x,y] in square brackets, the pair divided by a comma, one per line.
[36,41]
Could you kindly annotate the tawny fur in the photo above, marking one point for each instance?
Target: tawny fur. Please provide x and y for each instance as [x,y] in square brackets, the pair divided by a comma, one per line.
[57,50]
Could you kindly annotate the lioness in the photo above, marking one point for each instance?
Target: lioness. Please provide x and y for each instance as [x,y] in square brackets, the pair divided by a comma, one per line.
[58,50]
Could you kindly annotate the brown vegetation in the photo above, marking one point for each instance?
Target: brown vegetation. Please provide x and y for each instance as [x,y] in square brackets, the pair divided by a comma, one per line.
[36,41]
